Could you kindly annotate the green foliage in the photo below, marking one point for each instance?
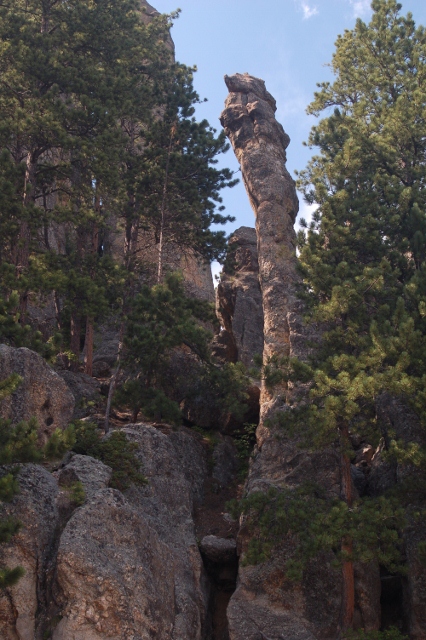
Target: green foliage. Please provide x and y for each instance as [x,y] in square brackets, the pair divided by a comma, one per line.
[8,528]
[8,385]
[162,318]
[115,451]
[19,443]
[9,485]
[9,577]
[228,385]
[154,402]
[311,523]
[244,442]
[61,441]
[82,147]
[362,257]
[77,493]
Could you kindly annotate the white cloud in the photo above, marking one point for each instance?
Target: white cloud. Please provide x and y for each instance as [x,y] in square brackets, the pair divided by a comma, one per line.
[216,269]
[361,7]
[305,211]
[308,11]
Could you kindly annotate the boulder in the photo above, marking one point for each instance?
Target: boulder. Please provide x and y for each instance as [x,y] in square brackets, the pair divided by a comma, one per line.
[218,550]
[85,389]
[112,579]
[42,392]
[93,474]
[129,566]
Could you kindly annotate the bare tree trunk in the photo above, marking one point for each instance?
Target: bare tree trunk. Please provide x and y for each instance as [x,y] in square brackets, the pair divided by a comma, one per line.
[90,319]
[163,210]
[348,580]
[75,339]
[114,377]
[89,346]
[22,253]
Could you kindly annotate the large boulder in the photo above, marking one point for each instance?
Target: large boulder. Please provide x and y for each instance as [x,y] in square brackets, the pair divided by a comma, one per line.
[86,391]
[129,566]
[42,393]
[115,578]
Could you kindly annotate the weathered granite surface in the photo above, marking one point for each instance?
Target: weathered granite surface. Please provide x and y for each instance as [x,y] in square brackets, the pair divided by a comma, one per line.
[239,301]
[42,392]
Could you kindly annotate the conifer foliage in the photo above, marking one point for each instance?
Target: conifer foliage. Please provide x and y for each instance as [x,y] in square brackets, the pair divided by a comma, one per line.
[97,138]
[362,261]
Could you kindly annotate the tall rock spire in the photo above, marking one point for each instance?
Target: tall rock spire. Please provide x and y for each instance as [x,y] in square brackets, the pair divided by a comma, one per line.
[260,143]
[266,603]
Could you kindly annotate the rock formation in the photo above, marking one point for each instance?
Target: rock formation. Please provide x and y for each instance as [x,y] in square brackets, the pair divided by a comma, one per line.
[122,565]
[239,301]
[265,602]
[260,143]
[42,392]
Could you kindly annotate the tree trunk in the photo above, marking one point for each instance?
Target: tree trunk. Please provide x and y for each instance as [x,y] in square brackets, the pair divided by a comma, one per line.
[89,346]
[163,209]
[348,580]
[75,339]
[88,343]
[114,377]
[22,253]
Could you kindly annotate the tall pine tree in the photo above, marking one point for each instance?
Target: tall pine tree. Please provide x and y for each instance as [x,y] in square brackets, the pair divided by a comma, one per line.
[364,282]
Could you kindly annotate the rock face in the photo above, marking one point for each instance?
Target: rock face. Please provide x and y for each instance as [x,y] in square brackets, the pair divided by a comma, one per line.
[32,548]
[42,393]
[239,301]
[129,566]
[120,566]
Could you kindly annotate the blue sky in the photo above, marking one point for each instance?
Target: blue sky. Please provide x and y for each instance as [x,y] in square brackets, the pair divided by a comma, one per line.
[285,42]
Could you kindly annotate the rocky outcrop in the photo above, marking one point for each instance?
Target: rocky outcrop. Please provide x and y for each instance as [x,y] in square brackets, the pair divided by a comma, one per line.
[111,574]
[32,548]
[239,301]
[266,603]
[260,143]
[42,393]
[121,565]
[129,566]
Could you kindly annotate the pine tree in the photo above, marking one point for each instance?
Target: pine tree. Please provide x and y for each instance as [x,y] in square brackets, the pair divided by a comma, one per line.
[72,72]
[161,318]
[364,278]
